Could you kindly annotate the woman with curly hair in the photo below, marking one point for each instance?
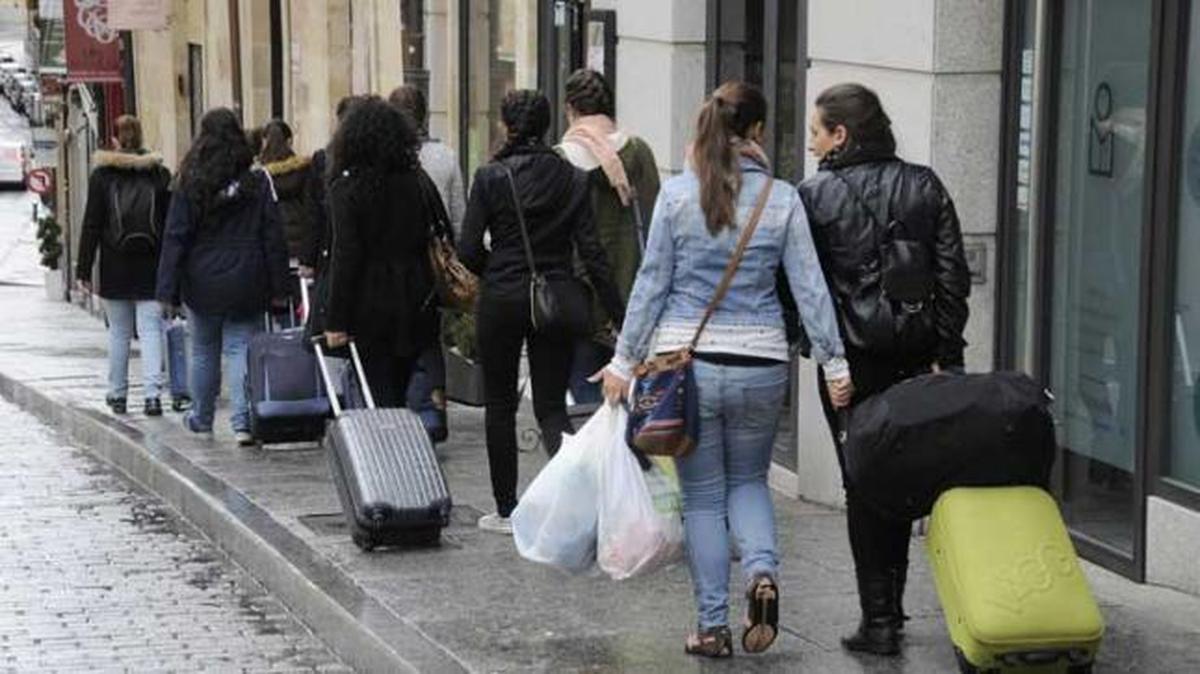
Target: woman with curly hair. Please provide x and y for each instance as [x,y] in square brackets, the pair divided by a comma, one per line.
[381,282]
[623,177]
[528,186]
[223,257]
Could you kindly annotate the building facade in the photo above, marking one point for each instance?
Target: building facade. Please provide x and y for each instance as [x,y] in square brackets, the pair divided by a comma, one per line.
[1067,132]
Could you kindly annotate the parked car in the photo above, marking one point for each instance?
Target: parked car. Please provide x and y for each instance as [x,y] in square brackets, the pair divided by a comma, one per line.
[12,165]
[22,83]
[32,103]
[8,71]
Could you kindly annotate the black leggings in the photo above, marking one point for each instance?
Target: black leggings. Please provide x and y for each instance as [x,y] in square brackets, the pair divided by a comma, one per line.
[502,328]
[878,543]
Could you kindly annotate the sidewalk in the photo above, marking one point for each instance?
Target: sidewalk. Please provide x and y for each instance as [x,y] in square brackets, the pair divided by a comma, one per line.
[473,604]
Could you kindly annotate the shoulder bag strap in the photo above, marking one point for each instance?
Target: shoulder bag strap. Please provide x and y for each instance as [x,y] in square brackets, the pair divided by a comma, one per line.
[436,210]
[735,261]
[512,184]
[639,222]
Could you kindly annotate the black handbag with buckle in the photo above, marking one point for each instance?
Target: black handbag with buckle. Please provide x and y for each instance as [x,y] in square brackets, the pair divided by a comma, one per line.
[557,300]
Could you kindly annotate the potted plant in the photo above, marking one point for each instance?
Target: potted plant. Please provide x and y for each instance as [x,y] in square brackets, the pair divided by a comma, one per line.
[464,376]
[49,234]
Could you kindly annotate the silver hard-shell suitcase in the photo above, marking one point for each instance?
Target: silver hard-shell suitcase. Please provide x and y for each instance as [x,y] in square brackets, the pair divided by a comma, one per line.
[387,475]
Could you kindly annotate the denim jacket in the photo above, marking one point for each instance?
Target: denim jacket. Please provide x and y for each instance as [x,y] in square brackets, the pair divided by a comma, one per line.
[684,263]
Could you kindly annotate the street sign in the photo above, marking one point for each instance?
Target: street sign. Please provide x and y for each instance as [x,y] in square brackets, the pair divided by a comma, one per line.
[40,181]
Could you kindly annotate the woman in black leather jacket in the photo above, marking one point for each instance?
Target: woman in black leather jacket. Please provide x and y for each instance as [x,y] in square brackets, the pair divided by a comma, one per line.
[889,242]
[556,200]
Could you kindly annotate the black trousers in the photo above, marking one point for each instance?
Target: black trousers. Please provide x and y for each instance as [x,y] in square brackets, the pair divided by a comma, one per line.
[387,373]
[502,328]
[878,543]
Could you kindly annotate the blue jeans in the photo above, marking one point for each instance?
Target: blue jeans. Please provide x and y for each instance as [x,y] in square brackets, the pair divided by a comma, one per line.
[214,336]
[122,315]
[724,480]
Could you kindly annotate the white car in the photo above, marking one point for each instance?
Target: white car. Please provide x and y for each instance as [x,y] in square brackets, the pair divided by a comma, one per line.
[12,164]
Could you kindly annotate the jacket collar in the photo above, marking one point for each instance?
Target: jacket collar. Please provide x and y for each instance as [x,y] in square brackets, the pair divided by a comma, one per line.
[130,161]
[857,153]
[292,163]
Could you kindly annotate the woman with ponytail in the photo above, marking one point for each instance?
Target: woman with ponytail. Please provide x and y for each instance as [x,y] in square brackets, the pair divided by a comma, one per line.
[623,179]
[740,360]
[528,186]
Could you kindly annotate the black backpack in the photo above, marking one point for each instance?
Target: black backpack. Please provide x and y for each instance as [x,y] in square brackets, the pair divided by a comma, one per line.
[901,277]
[133,213]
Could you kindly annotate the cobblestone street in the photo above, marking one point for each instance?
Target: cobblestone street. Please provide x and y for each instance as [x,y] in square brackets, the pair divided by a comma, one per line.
[95,575]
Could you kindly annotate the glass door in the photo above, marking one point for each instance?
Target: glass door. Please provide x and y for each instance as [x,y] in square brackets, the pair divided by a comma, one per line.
[1095,314]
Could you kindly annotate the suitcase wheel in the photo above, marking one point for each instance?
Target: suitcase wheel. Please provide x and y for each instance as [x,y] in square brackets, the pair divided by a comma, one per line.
[363,541]
[965,666]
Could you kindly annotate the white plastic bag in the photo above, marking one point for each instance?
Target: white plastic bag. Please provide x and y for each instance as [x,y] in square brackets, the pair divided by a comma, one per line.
[555,521]
[639,524]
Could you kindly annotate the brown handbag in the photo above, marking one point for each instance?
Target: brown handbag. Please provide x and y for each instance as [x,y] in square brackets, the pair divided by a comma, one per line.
[457,287]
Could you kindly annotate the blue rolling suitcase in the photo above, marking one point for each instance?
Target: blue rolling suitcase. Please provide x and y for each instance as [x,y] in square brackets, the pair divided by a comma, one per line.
[288,401]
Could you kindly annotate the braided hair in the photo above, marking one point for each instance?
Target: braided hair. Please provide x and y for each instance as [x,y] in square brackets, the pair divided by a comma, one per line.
[526,116]
[588,93]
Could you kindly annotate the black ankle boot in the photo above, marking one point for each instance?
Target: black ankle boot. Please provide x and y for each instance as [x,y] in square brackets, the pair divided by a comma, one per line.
[877,631]
[900,573]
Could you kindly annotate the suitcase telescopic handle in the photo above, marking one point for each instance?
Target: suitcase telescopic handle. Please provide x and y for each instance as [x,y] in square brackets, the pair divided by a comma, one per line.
[322,363]
[305,301]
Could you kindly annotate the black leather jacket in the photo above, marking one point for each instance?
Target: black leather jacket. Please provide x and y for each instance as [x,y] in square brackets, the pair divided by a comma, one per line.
[844,233]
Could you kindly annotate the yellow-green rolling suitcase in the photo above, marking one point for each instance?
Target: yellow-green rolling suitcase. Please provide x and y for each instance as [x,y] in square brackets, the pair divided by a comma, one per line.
[1010,584]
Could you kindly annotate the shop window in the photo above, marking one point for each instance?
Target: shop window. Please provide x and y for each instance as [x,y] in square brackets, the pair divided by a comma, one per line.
[501,38]
[1182,460]
[761,42]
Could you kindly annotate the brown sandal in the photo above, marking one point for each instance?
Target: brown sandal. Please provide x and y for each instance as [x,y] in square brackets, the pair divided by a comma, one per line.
[762,615]
[714,642]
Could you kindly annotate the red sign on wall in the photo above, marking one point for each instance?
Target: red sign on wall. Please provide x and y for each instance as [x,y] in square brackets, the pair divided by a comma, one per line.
[93,48]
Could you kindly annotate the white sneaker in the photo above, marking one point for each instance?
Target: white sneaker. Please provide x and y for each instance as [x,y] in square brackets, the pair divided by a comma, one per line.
[243,438]
[496,524]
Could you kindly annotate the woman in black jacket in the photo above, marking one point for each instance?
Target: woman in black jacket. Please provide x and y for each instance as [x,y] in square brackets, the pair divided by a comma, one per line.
[224,258]
[126,207]
[381,282]
[555,198]
[866,205]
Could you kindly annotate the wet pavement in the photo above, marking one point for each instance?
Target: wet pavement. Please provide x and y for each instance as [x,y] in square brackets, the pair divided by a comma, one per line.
[476,606]
[96,574]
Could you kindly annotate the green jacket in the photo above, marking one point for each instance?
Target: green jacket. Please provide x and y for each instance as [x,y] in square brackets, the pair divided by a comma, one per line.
[616,224]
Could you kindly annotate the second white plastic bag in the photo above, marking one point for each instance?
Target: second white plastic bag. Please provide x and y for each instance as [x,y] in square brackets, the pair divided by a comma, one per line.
[639,525]
[556,519]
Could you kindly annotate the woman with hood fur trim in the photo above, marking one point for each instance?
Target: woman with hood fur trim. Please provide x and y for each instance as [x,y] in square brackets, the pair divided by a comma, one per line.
[292,176]
[223,257]
[126,207]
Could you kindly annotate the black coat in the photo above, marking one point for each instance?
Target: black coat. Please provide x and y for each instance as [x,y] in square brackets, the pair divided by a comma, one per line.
[229,261]
[293,178]
[317,254]
[380,279]
[123,275]
[843,231]
[556,198]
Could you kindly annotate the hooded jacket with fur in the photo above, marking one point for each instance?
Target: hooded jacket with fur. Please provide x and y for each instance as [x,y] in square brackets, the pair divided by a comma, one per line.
[293,178]
[123,275]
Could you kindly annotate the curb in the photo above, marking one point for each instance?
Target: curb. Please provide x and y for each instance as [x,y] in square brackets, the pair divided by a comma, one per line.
[366,634]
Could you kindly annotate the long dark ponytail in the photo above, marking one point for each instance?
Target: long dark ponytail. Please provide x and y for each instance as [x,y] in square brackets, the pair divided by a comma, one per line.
[728,114]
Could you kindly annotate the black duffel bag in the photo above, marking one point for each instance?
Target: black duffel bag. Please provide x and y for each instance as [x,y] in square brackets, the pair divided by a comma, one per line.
[908,444]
